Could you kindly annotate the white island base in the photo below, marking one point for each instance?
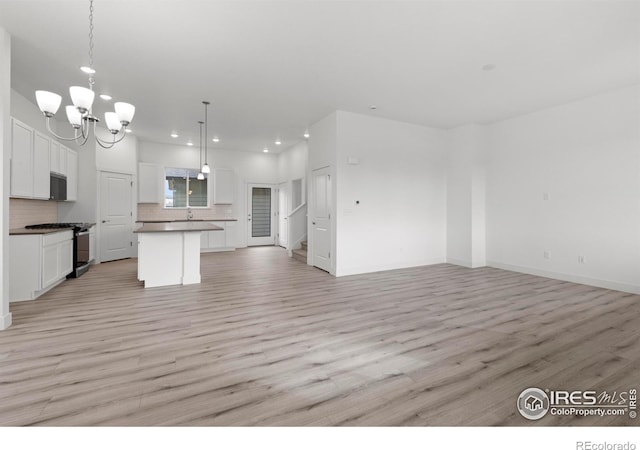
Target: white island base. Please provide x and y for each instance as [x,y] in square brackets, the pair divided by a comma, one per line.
[169,254]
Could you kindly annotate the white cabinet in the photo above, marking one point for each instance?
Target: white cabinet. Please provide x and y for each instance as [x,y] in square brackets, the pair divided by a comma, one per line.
[38,262]
[230,234]
[21,159]
[219,241]
[72,175]
[224,186]
[58,158]
[149,183]
[29,162]
[41,183]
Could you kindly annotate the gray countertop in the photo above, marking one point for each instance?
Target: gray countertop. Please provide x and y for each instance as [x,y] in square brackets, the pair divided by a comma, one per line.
[185,220]
[164,227]
[24,231]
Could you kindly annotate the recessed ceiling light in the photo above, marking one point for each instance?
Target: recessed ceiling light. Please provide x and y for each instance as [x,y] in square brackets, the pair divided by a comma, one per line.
[488,67]
[174,135]
[87,69]
[128,130]
[278,142]
[266,150]
[215,139]
[373,107]
[106,97]
[306,135]
[189,143]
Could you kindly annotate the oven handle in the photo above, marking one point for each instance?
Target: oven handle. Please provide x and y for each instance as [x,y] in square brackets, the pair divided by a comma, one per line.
[82,233]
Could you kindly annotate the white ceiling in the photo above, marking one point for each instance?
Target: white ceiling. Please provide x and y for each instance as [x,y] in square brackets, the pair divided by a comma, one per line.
[271,68]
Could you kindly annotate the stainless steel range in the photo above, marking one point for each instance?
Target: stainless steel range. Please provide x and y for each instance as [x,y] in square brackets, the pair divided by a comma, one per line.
[81,244]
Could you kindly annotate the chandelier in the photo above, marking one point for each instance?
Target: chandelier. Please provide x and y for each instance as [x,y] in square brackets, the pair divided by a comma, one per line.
[79,114]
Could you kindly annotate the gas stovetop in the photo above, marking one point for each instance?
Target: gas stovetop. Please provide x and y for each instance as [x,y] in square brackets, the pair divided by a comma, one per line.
[74,225]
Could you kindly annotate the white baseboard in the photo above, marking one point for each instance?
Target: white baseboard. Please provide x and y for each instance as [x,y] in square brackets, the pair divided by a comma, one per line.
[606,284]
[5,321]
[459,262]
[383,267]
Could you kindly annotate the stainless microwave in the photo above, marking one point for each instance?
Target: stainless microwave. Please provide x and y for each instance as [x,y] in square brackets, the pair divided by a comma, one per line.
[58,187]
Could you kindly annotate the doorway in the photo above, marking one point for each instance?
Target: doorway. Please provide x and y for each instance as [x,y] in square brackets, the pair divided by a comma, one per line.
[261,214]
[116,216]
[321,219]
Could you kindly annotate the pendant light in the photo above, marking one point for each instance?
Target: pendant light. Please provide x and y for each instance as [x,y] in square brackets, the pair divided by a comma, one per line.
[200,174]
[205,167]
[79,114]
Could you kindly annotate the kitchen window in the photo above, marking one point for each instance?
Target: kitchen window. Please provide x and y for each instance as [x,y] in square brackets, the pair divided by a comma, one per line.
[182,189]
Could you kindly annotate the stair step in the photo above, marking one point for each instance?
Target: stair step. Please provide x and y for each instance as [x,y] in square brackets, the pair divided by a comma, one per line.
[300,255]
[304,245]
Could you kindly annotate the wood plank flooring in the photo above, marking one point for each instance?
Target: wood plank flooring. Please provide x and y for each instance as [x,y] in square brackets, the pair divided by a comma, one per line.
[267,340]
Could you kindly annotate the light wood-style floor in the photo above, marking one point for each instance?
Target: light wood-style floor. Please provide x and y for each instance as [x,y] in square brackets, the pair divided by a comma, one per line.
[266,340]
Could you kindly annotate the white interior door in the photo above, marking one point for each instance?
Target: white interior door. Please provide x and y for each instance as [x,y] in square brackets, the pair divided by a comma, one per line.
[321,219]
[261,214]
[116,216]
[283,214]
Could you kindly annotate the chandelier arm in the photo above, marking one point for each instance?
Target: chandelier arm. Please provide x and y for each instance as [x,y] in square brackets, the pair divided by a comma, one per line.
[61,137]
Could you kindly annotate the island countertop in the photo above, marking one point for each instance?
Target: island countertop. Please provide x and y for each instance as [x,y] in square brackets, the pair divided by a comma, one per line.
[163,227]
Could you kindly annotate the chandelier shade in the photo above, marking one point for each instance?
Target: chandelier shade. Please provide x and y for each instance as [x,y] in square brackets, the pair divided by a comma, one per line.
[82,98]
[125,112]
[74,117]
[113,123]
[48,102]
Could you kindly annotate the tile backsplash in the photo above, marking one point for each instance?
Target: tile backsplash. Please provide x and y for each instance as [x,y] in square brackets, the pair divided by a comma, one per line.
[155,211]
[28,212]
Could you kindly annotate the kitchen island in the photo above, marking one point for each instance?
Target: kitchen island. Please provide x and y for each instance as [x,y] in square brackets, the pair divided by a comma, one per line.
[169,252]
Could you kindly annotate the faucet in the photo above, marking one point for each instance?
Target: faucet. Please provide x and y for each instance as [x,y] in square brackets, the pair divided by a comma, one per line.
[189,214]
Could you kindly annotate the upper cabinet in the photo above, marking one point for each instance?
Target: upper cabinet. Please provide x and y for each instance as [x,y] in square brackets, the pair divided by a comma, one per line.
[29,162]
[72,174]
[58,158]
[224,186]
[34,156]
[21,159]
[149,183]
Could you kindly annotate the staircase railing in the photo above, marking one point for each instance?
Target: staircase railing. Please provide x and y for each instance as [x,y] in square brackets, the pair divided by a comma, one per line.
[297,227]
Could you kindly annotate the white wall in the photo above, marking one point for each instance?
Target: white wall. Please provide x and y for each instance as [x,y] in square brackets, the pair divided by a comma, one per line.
[400,183]
[292,163]
[586,156]
[121,158]
[249,167]
[5,143]
[466,236]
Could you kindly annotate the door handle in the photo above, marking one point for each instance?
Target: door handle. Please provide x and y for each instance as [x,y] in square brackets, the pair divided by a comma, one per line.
[105,221]
[313,223]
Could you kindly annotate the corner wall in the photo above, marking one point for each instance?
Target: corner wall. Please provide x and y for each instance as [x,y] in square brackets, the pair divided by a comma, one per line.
[566,181]
[5,146]
[391,204]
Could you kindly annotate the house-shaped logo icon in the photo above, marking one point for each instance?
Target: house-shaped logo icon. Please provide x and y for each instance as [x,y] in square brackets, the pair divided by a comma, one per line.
[533,403]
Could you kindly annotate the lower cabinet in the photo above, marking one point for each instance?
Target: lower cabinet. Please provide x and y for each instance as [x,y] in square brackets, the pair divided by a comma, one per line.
[38,262]
[219,241]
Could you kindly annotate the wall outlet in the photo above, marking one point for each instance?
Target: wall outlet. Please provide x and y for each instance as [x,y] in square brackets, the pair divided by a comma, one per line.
[582,259]
[546,196]
[547,254]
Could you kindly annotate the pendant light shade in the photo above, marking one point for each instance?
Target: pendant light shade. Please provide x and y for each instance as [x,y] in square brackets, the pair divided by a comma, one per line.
[48,102]
[113,122]
[206,168]
[200,176]
[125,112]
[82,98]
[74,116]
